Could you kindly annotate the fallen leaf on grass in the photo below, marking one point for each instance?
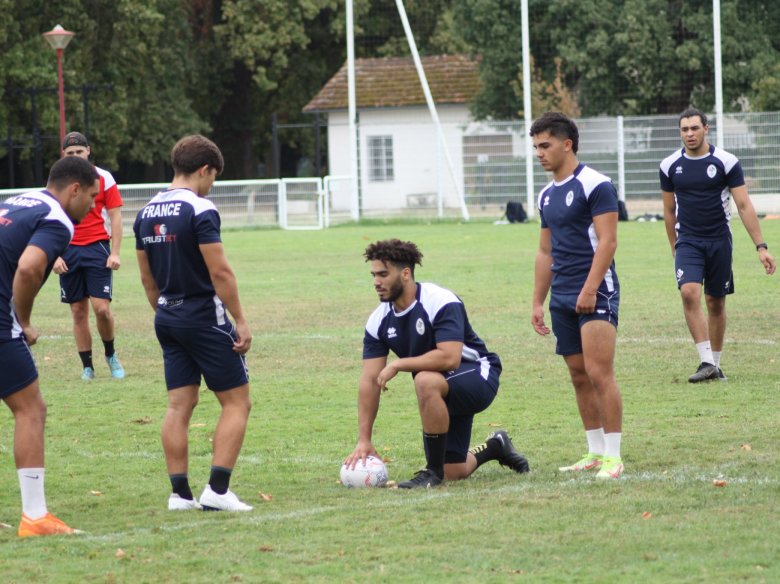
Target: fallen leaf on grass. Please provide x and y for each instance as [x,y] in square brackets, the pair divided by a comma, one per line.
[197,425]
[265,497]
[647,515]
[746,447]
[494,425]
[144,420]
[265,548]
[391,485]
[719,483]
[4,526]
[120,554]
[96,493]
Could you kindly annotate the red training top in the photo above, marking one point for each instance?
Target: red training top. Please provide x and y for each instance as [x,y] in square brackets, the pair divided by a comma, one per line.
[96,226]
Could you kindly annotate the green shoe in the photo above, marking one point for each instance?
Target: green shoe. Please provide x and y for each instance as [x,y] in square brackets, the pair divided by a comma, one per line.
[587,462]
[611,468]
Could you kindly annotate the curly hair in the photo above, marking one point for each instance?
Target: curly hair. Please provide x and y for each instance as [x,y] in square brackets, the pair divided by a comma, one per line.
[403,254]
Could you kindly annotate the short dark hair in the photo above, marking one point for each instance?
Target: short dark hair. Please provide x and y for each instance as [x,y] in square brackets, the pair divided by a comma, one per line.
[192,152]
[403,254]
[69,169]
[692,112]
[559,125]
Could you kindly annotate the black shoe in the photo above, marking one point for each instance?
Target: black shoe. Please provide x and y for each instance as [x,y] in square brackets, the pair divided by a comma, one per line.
[423,479]
[509,457]
[705,372]
[721,375]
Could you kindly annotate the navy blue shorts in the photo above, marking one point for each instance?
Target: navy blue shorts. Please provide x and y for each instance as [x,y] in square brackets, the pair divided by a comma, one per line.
[566,323]
[472,388]
[705,260]
[17,365]
[87,273]
[189,353]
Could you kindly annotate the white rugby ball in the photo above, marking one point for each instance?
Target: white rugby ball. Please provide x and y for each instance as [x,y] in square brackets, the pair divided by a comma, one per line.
[373,474]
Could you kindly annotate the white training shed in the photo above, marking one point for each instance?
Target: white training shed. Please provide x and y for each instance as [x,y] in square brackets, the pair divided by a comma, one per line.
[402,164]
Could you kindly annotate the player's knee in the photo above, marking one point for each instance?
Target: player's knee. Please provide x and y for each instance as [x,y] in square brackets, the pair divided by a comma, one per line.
[428,385]
[691,297]
[103,312]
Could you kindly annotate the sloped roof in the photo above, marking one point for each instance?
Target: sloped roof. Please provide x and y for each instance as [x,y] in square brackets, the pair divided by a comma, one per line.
[393,82]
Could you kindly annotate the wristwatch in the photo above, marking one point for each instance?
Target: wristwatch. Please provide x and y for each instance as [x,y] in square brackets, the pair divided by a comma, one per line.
[762,246]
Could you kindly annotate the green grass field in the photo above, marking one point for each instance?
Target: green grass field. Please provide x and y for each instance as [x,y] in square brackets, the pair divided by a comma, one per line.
[307,295]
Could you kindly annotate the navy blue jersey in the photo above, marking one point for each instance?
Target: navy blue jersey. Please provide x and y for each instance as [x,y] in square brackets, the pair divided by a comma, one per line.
[169,228]
[34,218]
[567,209]
[701,191]
[436,316]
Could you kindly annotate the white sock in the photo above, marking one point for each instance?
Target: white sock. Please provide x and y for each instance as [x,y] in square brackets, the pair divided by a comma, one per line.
[705,352]
[595,440]
[612,443]
[716,358]
[33,496]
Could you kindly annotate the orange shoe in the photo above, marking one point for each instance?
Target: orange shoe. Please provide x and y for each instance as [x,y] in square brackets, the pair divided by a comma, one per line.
[46,525]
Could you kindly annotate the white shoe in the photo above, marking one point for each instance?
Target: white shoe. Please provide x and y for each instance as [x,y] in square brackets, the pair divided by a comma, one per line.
[211,501]
[176,503]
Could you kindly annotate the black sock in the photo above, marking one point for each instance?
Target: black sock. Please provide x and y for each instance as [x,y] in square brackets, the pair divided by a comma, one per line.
[109,347]
[181,486]
[487,451]
[435,449]
[86,359]
[220,479]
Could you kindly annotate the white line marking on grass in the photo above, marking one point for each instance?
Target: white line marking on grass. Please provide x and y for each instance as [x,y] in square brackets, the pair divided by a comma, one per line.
[686,340]
[412,498]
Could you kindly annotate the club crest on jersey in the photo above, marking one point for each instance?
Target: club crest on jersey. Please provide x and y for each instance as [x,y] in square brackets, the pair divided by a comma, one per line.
[161,235]
[4,221]
[680,275]
[391,334]
[569,198]
[546,201]
[712,171]
[420,326]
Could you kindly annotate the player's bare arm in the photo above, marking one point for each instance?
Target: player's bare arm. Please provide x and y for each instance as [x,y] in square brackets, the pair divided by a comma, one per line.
[115,218]
[147,279]
[368,406]
[445,357]
[226,286]
[542,282]
[670,217]
[28,280]
[605,226]
[750,220]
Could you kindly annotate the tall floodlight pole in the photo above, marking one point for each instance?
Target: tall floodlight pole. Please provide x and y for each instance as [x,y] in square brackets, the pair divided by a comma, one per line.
[718,72]
[352,112]
[527,113]
[59,38]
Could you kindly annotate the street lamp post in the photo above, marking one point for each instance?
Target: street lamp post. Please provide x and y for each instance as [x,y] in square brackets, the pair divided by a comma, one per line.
[59,38]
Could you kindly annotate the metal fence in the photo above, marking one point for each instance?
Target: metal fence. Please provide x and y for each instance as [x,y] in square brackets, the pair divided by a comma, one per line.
[490,167]
[490,159]
[286,203]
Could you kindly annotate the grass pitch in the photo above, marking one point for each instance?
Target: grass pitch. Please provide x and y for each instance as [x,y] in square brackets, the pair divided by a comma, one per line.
[307,295]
